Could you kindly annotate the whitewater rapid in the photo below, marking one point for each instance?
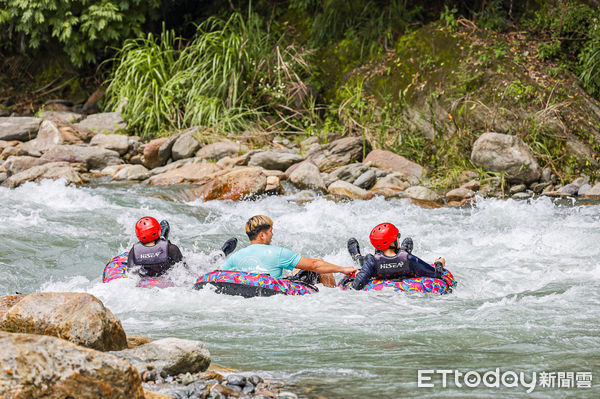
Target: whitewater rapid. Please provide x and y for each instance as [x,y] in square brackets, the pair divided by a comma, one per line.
[527,300]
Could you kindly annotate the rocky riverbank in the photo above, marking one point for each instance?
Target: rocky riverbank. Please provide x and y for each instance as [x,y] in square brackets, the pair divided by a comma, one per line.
[61,345]
[81,148]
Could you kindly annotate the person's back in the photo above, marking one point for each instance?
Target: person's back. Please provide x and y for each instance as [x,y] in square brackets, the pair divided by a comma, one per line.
[263,259]
[390,261]
[154,254]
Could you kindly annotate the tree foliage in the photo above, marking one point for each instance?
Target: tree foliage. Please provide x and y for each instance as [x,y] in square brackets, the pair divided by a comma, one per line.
[81,28]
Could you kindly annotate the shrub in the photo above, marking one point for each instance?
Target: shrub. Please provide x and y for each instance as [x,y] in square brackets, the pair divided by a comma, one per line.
[234,74]
[82,28]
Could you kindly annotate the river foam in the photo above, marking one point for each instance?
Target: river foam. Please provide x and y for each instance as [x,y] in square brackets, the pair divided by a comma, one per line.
[528,297]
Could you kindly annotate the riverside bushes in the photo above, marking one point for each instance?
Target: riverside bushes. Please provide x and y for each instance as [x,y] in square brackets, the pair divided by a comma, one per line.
[236,73]
[81,28]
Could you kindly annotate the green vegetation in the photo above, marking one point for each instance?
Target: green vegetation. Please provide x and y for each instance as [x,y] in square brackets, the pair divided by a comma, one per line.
[81,28]
[235,74]
[423,79]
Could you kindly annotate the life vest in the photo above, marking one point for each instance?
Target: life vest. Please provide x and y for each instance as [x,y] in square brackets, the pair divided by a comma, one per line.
[390,268]
[151,256]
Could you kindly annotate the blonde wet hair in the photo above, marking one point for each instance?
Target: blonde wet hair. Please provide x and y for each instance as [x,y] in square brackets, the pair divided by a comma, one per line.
[256,224]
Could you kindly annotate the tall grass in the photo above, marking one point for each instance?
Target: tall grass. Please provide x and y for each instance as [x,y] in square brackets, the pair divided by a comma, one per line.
[236,74]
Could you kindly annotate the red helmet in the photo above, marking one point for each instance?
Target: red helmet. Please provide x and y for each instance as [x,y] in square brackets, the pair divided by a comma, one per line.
[383,235]
[147,229]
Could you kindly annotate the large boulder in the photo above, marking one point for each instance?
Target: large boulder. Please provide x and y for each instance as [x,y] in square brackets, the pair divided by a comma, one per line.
[169,355]
[19,128]
[35,366]
[216,151]
[185,146]
[115,142]
[307,175]
[77,317]
[350,172]
[51,170]
[501,153]
[93,157]
[459,194]
[130,172]
[64,117]
[348,190]
[593,193]
[234,185]
[151,157]
[275,160]
[395,163]
[164,151]
[17,164]
[51,134]
[106,122]
[422,193]
[338,153]
[191,173]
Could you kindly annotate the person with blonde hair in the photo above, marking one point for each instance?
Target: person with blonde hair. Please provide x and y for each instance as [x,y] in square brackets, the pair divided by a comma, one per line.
[262,257]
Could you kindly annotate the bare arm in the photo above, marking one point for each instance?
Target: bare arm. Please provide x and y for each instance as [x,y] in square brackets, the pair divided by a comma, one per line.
[320,266]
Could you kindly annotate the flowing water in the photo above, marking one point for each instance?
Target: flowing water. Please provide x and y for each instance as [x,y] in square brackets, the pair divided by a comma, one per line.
[527,301]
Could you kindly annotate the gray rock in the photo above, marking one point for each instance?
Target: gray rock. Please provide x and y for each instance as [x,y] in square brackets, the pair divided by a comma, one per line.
[518,188]
[185,146]
[115,142]
[583,190]
[93,157]
[37,366]
[255,379]
[275,159]
[106,122]
[393,181]
[171,355]
[50,170]
[569,189]
[582,152]
[76,317]
[366,180]
[391,162]
[471,185]
[499,153]
[3,177]
[593,193]
[19,128]
[236,379]
[422,193]
[50,135]
[132,172]
[164,151]
[338,153]
[216,151]
[5,112]
[349,173]
[307,175]
[459,194]
[522,195]
[547,175]
[580,181]
[17,164]
[348,190]
[539,187]
[65,117]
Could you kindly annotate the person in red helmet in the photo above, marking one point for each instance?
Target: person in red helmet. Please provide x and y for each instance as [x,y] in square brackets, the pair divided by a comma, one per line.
[154,254]
[390,261]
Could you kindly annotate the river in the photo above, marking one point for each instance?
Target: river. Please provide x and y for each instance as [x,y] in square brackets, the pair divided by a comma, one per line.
[527,300]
